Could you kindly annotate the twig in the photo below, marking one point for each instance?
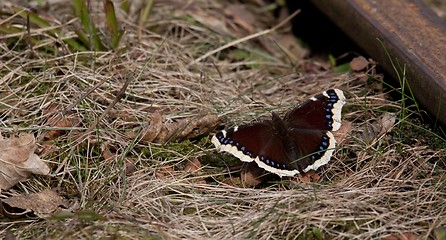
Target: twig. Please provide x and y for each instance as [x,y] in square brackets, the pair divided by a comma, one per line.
[118,97]
[90,26]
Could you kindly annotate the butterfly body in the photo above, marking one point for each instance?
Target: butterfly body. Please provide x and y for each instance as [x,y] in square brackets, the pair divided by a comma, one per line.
[299,142]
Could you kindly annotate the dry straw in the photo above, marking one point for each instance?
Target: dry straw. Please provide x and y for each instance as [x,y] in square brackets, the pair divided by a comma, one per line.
[369,190]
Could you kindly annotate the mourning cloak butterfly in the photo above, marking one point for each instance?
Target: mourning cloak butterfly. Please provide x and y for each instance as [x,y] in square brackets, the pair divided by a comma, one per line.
[298,143]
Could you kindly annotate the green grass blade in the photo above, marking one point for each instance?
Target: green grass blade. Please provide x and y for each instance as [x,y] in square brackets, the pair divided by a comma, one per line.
[125,5]
[112,23]
[8,29]
[82,37]
[401,74]
[81,11]
[42,23]
[145,13]
[78,5]
[33,18]
[75,45]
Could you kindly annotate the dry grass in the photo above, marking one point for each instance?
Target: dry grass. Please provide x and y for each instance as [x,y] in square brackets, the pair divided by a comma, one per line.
[393,185]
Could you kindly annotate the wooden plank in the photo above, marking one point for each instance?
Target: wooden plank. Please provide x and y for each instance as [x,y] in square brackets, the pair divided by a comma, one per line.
[412,34]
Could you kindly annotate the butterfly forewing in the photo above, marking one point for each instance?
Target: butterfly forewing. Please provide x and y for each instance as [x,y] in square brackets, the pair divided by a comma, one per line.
[244,142]
[262,144]
[322,112]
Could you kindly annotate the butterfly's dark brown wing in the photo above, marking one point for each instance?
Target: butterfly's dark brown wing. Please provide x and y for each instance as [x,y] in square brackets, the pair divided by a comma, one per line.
[257,142]
[304,142]
[310,126]
[315,147]
[321,112]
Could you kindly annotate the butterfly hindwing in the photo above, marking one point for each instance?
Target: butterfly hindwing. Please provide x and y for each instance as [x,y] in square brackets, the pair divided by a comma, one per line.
[315,146]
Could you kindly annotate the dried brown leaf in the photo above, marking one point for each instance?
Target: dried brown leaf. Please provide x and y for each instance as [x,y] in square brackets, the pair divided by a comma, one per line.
[342,175]
[198,126]
[387,121]
[53,119]
[374,129]
[233,181]
[213,22]
[18,160]
[62,123]
[251,174]
[154,128]
[9,235]
[46,148]
[308,177]
[359,63]
[161,132]
[187,128]
[129,165]
[41,204]
[192,165]
[401,236]
[51,109]
[241,16]
[342,135]
[289,44]
[106,153]
[165,172]
[167,132]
